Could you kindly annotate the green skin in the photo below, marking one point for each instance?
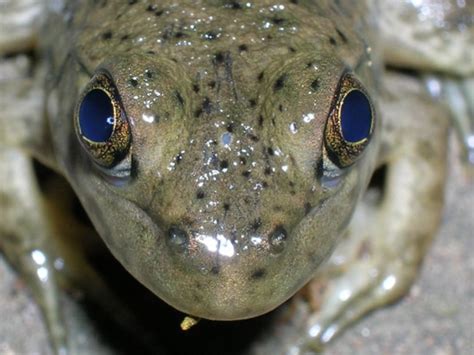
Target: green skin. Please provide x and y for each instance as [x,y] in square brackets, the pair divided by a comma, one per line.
[227,108]
[208,193]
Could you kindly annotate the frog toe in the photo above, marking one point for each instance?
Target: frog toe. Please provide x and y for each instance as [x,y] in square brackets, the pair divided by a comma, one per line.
[367,286]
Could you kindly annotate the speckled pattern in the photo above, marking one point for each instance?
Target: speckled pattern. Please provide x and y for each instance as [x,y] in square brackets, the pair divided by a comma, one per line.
[434,318]
[227,159]
[228,178]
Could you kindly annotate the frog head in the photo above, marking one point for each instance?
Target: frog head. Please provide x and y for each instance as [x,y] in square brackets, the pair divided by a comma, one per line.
[223,202]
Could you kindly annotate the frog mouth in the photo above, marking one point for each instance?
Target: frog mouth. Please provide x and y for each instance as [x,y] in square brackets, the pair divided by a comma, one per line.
[161,322]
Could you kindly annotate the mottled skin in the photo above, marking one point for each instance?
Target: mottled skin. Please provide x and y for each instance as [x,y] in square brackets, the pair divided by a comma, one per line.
[184,176]
[229,201]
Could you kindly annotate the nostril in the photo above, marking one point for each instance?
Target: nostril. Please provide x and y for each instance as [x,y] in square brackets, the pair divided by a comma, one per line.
[278,240]
[177,239]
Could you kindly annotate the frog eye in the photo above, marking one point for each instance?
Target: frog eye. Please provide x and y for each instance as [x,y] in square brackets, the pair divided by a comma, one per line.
[100,122]
[350,124]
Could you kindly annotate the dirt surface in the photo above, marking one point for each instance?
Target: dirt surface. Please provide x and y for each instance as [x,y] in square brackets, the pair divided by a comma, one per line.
[437,317]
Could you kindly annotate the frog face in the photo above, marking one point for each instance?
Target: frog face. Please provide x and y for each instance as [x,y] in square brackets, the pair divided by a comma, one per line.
[219,160]
[222,204]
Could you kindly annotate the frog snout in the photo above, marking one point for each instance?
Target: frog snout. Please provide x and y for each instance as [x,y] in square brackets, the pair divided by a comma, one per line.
[228,275]
[180,240]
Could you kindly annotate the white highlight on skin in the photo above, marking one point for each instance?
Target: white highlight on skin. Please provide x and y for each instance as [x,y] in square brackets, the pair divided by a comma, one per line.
[344,295]
[389,282]
[314,331]
[42,274]
[38,257]
[307,118]
[219,244]
[148,118]
[329,333]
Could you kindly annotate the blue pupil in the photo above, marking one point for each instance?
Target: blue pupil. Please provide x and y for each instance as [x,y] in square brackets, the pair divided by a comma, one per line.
[96,116]
[356,117]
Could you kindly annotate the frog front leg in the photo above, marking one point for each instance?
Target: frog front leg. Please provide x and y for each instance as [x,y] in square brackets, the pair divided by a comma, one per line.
[25,237]
[385,246]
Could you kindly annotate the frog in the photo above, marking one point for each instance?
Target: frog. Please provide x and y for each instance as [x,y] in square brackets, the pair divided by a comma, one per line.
[223,149]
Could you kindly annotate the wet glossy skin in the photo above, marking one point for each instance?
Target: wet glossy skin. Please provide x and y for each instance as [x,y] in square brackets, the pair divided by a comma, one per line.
[229,201]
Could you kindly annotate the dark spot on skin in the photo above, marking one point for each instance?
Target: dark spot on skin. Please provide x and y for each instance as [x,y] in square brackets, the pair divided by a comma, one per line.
[196,88]
[215,270]
[219,58]
[270,151]
[342,36]
[260,120]
[224,164]
[152,8]
[243,160]
[207,105]
[234,5]
[256,224]
[280,82]
[107,35]
[254,138]
[315,85]
[179,98]
[246,173]
[332,41]
[260,76]
[149,74]
[133,82]
[252,102]
[258,274]
[200,194]
[278,20]
[243,48]
[226,207]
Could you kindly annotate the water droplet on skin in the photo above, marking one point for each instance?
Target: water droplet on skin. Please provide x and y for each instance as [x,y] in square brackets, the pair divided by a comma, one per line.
[293,128]
[226,139]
